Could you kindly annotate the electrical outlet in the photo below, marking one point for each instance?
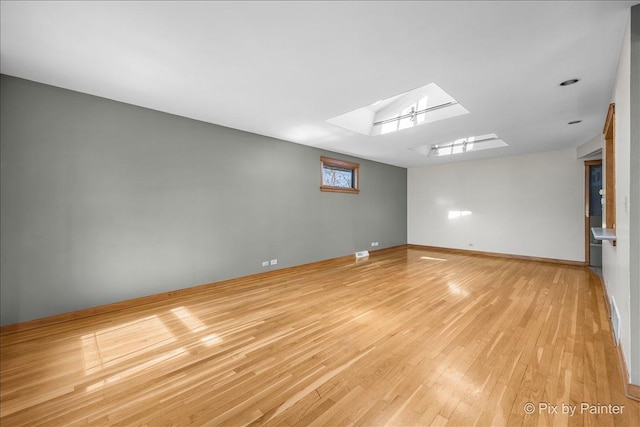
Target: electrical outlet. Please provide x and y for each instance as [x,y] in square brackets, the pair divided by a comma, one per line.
[373,244]
[273,262]
[265,263]
[626,204]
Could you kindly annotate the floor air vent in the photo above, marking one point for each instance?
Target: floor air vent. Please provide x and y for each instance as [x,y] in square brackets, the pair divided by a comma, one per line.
[362,254]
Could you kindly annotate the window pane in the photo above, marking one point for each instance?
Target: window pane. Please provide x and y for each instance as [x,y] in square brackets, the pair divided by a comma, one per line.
[389,127]
[334,177]
[422,105]
[407,122]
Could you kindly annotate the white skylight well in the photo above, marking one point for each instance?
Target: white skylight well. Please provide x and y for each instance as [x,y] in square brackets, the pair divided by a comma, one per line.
[425,104]
[462,145]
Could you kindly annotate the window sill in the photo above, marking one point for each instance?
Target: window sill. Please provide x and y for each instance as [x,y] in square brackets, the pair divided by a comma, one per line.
[339,190]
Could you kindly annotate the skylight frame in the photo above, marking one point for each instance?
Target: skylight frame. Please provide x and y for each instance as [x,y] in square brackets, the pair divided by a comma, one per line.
[461,145]
[425,104]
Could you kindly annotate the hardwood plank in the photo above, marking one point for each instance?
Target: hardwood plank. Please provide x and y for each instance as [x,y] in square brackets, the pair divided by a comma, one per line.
[411,336]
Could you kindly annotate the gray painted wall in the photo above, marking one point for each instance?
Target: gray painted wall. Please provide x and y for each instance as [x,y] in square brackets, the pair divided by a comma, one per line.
[103,201]
[634,199]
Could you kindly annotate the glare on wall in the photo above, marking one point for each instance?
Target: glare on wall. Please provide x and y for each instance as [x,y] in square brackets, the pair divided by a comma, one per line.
[458,214]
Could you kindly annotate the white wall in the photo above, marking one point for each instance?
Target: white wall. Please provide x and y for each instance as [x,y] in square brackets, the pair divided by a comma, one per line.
[591,149]
[633,359]
[528,205]
[616,259]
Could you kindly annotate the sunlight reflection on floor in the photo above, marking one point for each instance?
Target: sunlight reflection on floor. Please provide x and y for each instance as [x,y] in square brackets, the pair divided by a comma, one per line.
[110,347]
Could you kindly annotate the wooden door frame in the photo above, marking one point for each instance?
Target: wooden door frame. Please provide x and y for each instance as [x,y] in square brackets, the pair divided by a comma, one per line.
[587,205]
[609,133]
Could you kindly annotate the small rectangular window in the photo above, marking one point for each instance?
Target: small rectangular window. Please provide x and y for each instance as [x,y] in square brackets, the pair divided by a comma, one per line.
[338,176]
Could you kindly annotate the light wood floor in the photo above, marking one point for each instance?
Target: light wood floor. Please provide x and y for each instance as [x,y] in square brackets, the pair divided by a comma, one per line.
[408,337]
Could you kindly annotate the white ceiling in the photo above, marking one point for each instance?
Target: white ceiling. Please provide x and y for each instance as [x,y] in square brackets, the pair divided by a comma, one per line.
[282,69]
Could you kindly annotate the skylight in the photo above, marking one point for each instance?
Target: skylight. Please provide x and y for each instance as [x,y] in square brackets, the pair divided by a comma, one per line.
[462,145]
[425,104]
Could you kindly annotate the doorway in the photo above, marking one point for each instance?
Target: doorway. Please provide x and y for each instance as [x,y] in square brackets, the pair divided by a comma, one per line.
[593,211]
